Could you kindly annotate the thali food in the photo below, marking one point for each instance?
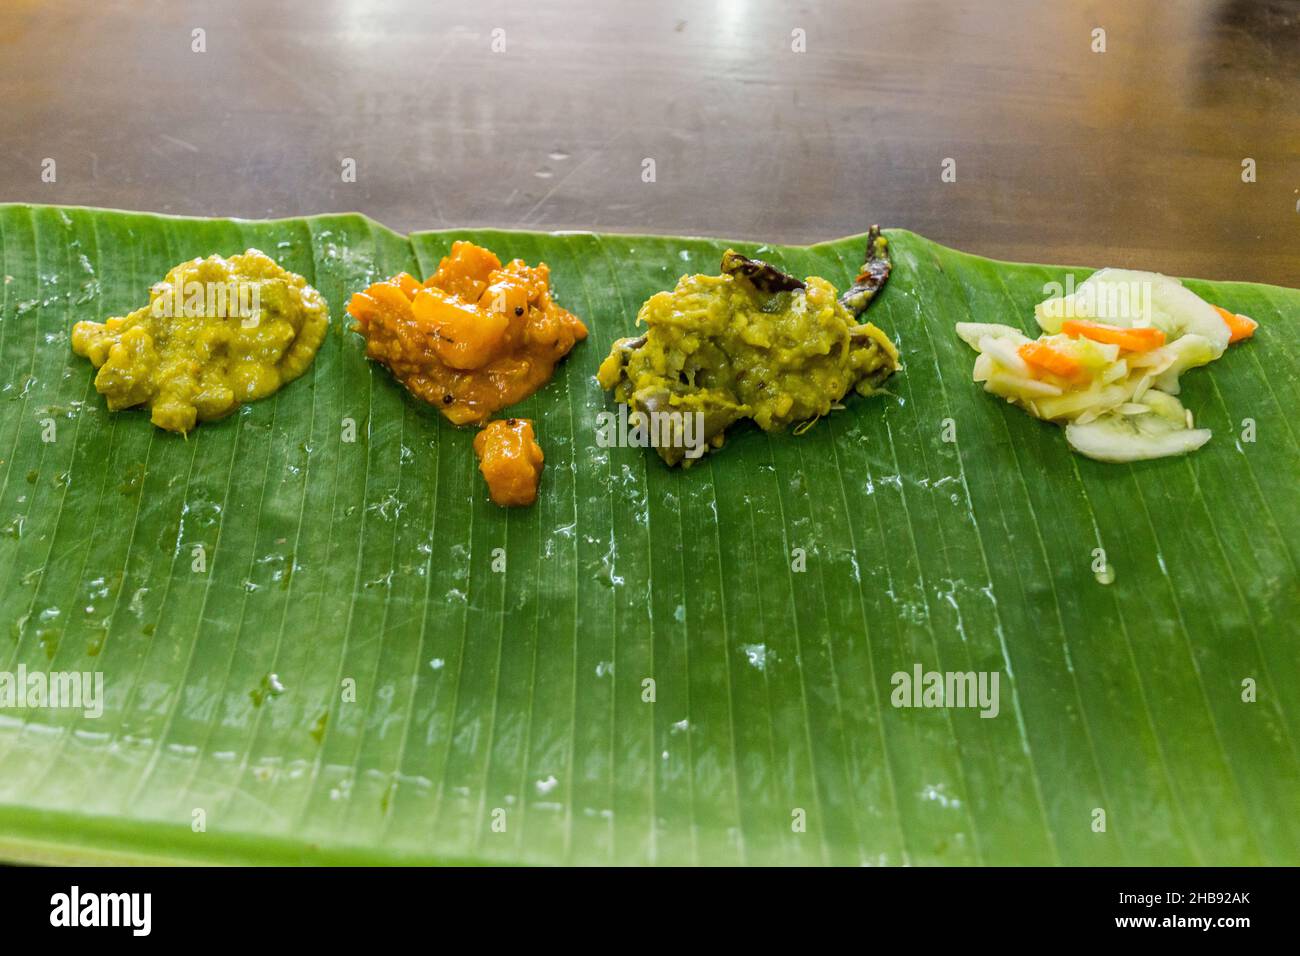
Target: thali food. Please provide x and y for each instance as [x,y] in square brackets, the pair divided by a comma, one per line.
[752,343]
[471,339]
[510,460]
[1108,362]
[217,332]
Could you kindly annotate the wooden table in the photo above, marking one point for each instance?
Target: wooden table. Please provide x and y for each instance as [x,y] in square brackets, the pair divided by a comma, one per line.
[1132,156]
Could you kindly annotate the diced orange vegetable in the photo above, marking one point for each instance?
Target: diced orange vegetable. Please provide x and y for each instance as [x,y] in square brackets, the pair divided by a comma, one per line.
[1142,339]
[511,461]
[1043,356]
[509,295]
[361,307]
[406,282]
[466,272]
[1241,326]
[389,295]
[476,336]
[466,337]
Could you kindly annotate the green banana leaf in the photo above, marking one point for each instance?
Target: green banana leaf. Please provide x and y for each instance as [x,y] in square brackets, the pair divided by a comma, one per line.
[378,665]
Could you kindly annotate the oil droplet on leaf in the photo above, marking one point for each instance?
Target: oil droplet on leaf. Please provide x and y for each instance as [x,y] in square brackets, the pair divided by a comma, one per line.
[318,726]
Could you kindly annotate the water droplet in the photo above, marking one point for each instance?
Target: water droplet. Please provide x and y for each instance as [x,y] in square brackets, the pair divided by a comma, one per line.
[136,604]
[269,687]
[937,794]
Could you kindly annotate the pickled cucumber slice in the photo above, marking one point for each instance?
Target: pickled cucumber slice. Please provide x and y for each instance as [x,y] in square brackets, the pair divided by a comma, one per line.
[1161,428]
[972,332]
[1188,352]
[1131,298]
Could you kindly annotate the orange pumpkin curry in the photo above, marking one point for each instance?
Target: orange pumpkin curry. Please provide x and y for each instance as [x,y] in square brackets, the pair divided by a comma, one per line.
[474,337]
[511,461]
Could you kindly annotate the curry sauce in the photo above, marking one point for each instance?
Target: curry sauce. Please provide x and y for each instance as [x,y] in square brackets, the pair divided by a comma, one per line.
[474,337]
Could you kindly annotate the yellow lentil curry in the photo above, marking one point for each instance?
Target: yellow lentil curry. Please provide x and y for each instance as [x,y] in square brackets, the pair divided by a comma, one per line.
[474,337]
[217,332]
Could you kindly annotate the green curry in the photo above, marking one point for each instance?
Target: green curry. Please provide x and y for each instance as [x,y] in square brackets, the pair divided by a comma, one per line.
[750,343]
[217,332]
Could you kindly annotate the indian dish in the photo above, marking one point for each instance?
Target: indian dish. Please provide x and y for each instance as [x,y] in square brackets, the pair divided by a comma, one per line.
[751,343]
[1108,362]
[217,332]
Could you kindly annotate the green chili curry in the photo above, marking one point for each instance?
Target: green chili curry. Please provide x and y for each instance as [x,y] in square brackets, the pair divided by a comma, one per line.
[751,343]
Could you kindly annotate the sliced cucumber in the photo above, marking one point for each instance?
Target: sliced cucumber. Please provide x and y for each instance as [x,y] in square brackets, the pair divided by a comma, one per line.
[1189,351]
[972,332]
[1074,404]
[1018,387]
[1161,429]
[1004,352]
[1130,298]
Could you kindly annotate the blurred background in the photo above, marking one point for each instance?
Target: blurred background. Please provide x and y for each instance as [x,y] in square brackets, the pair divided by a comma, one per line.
[772,121]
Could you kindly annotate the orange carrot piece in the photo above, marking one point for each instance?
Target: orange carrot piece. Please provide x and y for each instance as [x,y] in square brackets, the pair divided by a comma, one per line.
[1241,326]
[1049,359]
[1142,339]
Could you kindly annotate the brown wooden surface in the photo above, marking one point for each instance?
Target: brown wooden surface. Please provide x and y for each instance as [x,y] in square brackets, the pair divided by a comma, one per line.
[1128,157]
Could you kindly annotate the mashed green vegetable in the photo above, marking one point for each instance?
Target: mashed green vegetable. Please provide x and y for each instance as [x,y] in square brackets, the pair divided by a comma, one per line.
[751,343]
[217,332]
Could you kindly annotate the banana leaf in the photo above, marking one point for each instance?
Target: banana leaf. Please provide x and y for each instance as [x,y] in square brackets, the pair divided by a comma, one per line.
[377,665]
